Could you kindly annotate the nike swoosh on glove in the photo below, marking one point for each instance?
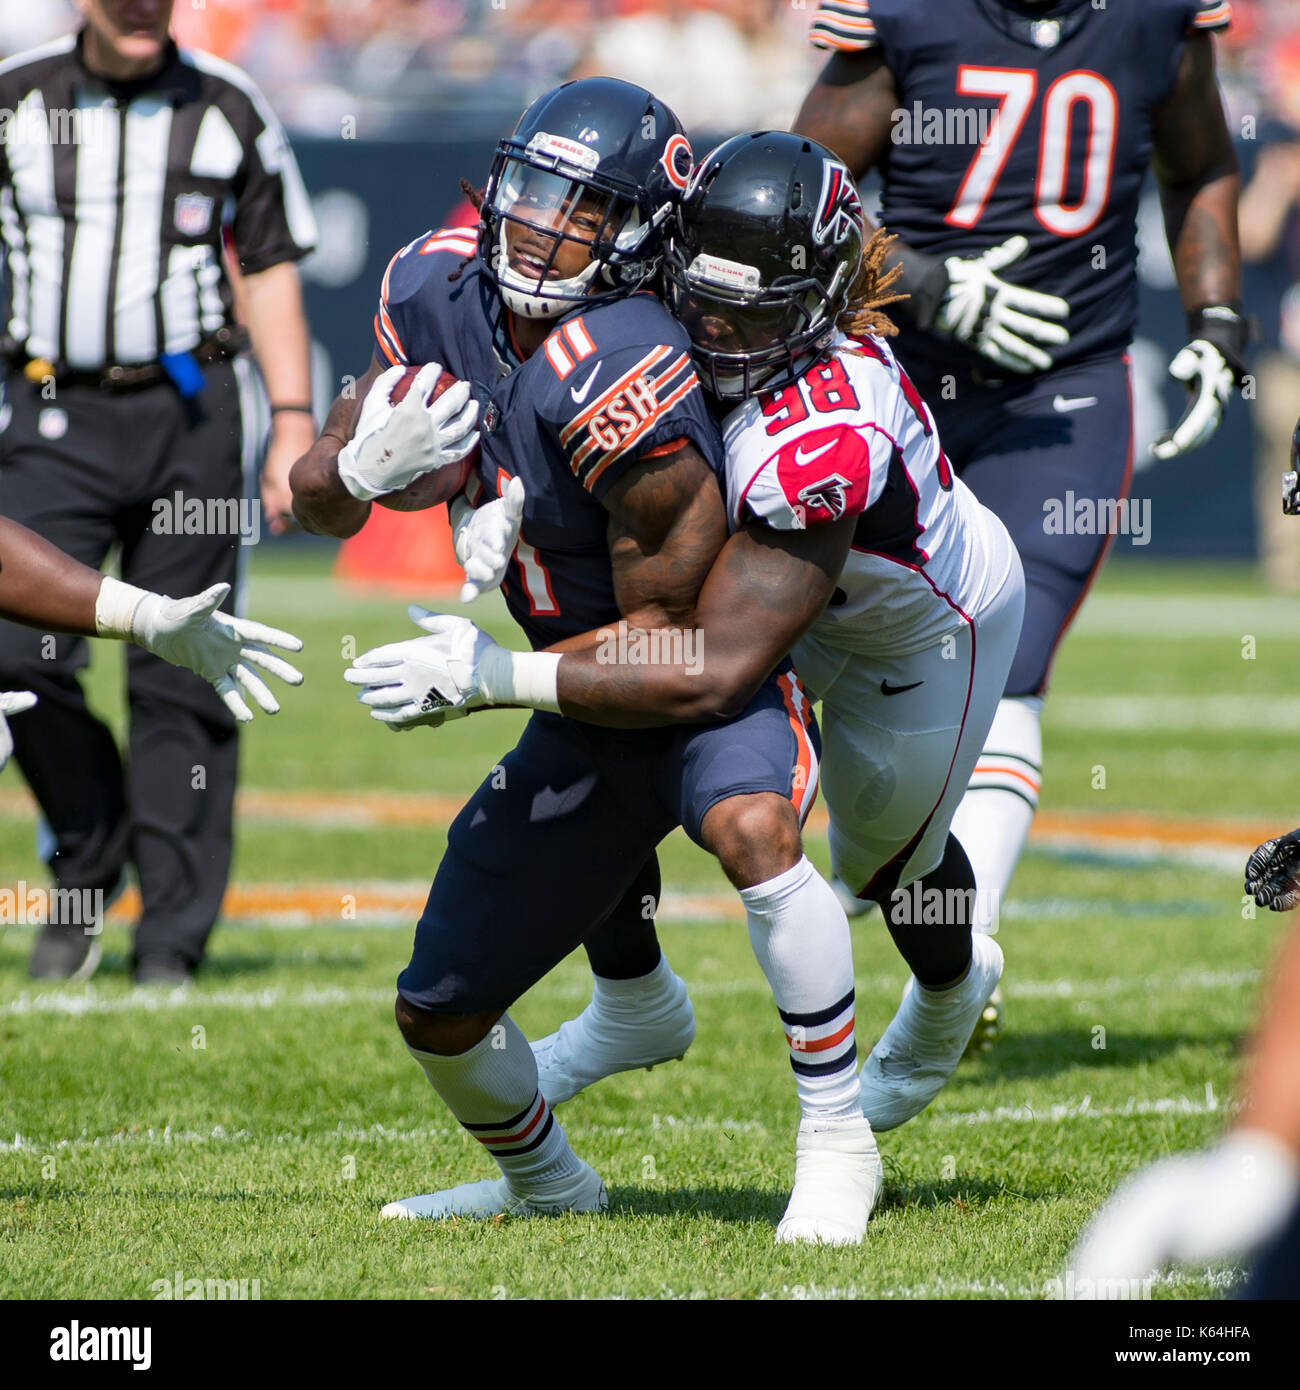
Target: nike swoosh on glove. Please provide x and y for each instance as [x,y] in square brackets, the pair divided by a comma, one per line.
[395,444]
[1273,873]
[190,632]
[425,680]
[485,537]
[1004,322]
[11,702]
[1217,1205]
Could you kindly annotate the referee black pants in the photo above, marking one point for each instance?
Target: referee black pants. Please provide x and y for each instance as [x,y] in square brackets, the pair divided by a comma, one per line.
[86,470]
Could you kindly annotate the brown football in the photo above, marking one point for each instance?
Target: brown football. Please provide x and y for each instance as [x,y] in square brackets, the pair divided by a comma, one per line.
[443,483]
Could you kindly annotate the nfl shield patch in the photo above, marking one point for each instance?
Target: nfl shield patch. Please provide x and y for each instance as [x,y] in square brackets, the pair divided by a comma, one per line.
[193,214]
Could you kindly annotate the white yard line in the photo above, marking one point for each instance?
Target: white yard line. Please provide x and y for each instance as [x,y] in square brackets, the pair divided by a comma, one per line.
[1171,713]
[662,1125]
[68,1004]
[1170,617]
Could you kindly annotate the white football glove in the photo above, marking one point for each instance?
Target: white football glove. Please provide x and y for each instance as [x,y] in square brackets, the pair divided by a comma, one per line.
[395,444]
[997,318]
[456,668]
[190,632]
[485,538]
[1204,370]
[11,702]
[425,680]
[1217,1205]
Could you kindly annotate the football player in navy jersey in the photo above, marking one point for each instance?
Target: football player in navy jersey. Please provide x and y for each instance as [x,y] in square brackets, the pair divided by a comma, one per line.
[1012,138]
[589,399]
[853,543]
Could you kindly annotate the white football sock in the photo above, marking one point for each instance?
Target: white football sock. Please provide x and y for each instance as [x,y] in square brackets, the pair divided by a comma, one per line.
[994,817]
[639,995]
[800,936]
[492,1091]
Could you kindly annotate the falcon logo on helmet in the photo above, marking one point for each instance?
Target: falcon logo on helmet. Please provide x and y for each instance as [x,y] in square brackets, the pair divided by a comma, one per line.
[839,214]
[767,242]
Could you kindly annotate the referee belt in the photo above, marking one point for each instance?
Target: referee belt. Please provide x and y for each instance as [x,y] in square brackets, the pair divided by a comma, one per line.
[223,344]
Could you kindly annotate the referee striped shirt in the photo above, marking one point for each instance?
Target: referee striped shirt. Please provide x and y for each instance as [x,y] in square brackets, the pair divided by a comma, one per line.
[115,198]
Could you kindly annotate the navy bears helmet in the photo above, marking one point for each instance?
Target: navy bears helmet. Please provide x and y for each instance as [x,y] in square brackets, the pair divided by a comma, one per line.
[766,247]
[596,162]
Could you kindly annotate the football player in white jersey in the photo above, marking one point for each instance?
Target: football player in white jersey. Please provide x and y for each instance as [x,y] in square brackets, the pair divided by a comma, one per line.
[852,543]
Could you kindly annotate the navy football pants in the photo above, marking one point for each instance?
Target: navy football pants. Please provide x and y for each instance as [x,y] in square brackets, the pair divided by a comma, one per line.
[560,839]
[1027,443]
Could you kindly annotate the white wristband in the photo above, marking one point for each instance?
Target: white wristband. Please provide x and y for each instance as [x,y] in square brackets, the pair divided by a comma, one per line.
[115,608]
[520,678]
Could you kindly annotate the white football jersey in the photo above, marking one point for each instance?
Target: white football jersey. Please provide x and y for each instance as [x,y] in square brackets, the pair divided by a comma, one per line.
[853,437]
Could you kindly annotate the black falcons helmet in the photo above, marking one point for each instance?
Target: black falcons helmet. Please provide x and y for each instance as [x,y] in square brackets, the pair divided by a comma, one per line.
[767,245]
[598,162]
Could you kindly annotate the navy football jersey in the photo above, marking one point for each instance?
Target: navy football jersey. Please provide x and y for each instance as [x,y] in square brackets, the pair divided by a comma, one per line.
[612,384]
[1024,120]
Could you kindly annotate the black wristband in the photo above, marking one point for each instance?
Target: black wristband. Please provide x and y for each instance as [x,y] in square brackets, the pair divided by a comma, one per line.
[925,282]
[1223,326]
[293,410]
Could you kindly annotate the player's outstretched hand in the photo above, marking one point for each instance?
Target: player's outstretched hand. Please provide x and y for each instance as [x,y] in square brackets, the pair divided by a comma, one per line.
[1220,1204]
[395,444]
[11,702]
[485,538]
[1201,368]
[1209,367]
[1006,323]
[428,679]
[1273,873]
[223,650]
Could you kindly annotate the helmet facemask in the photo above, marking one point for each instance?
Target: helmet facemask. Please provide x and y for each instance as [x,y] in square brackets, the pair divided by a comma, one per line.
[746,337]
[534,221]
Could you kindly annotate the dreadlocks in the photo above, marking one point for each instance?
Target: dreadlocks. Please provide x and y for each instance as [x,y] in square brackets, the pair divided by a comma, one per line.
[475,196]
[867,295]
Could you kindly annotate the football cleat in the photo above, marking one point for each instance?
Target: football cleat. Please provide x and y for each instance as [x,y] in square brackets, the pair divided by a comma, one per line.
[606,1038]
[924,1042]
[988,1029]
[496,1197]
[837,1178]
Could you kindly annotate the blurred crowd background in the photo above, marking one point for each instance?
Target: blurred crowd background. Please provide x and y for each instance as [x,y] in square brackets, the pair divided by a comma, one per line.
[719,63]
[440,80]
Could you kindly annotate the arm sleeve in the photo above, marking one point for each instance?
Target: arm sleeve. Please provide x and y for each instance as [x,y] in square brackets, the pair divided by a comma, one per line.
[609,410]
[273,220]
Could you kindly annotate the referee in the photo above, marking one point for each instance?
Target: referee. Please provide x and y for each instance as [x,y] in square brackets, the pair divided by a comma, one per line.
[125,165]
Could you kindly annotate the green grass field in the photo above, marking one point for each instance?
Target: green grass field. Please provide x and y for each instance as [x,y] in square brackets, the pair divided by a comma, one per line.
[128,1151]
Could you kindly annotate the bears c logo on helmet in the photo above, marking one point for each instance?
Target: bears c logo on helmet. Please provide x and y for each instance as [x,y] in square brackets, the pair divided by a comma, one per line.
[840,209]
[678,160]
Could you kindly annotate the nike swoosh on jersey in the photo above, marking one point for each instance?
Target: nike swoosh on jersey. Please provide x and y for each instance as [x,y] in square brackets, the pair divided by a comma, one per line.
[580,396]
[887,689]
[1064,403]
[801,458]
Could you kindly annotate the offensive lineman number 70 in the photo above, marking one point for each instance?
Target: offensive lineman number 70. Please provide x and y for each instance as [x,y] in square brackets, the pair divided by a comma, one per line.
[1015,88]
